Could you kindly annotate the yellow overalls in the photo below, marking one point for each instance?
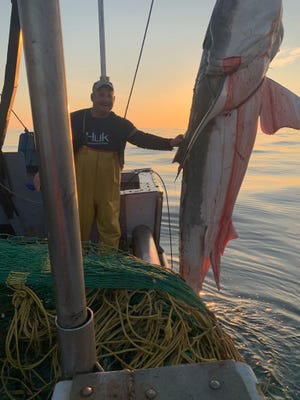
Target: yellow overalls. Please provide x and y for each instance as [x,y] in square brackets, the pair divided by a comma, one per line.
[98,176]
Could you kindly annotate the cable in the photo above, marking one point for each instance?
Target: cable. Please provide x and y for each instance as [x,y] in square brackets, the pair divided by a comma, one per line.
[8,190]
[137,172]
[19,119]
[168,214]
[26,130]
[139,59]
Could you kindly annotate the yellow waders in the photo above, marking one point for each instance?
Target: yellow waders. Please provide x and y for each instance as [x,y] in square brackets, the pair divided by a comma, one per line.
[98,177]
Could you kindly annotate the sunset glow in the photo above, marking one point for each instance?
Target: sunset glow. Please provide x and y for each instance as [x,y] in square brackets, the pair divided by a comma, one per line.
[164,86]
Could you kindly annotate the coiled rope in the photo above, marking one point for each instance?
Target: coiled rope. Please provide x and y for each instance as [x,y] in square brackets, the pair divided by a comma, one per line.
[144,317]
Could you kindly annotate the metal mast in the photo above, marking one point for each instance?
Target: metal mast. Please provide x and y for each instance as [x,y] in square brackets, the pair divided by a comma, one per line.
[43,48]
[102,40]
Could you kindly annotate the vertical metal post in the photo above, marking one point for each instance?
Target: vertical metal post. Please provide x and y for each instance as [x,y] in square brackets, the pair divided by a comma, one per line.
[43,48]
[11,71]
[102,39]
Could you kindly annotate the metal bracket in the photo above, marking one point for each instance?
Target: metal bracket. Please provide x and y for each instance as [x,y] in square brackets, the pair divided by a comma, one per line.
[76,357]
[224,380]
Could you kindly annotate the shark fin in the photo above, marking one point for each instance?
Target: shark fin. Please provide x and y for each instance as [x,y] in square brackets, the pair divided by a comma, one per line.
[280,108]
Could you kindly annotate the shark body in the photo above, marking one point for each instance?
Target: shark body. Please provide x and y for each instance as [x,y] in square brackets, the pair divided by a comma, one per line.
[231,92]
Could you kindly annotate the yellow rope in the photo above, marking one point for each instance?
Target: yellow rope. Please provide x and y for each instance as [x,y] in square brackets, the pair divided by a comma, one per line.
[28,344]
[133,329]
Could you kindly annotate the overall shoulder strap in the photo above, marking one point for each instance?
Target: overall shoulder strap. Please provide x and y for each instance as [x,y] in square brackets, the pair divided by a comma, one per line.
[84,120]
[79,137]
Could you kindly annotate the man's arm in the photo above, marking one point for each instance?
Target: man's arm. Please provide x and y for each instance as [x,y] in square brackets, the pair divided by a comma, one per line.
[153,142]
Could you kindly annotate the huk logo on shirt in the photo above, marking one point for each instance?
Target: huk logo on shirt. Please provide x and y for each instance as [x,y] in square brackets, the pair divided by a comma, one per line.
[97,138]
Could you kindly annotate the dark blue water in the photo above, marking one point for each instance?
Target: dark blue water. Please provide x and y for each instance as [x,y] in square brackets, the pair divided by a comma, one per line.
[259,301]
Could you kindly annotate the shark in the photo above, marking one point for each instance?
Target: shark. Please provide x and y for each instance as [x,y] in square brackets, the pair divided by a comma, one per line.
[232,94]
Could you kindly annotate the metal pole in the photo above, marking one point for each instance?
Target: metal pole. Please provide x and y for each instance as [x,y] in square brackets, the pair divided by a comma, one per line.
[43,48]
[11,71]
[102,39]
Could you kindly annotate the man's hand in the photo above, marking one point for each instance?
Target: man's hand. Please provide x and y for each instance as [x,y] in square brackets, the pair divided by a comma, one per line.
[36,182]
[176,142]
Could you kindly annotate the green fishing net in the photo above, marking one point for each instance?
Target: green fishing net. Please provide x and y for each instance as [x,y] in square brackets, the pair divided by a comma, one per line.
[145,316]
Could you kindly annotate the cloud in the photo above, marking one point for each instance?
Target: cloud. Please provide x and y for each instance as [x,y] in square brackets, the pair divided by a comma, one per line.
[286,56]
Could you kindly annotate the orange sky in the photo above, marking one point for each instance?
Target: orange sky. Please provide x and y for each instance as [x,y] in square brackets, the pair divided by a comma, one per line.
[164,86]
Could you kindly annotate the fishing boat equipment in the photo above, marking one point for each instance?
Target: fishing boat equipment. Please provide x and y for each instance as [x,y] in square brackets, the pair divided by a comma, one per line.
[7,96]
[139,58]
[103,52]
[11,71]
[102,40]
[145,316]
[41,31]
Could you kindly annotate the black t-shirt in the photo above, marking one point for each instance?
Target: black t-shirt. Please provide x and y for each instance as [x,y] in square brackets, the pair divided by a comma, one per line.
[111,134]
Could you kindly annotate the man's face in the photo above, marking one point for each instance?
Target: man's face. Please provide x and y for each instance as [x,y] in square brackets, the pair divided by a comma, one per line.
[103,100]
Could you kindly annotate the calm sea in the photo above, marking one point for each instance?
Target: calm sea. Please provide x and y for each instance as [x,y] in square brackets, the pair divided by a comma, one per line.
[259,301]
[260,271]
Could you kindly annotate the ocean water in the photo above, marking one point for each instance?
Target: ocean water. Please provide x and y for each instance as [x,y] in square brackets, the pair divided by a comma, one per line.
[259,301]
[260,271]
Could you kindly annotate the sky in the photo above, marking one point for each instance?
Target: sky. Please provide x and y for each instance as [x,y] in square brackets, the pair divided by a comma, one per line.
[164,86]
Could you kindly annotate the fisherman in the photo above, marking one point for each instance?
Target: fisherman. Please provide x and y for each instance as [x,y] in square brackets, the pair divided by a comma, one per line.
[99,140]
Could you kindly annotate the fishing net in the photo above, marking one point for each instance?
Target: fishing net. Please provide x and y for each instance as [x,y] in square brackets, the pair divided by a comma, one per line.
[145,316]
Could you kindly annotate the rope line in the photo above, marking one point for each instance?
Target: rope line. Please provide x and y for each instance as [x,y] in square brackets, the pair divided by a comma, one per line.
[139,59]
[17,195]
[169,218]
[154,319]
[141,170]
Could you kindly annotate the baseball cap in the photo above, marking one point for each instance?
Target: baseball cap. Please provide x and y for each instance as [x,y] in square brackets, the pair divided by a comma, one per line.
[102,82]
